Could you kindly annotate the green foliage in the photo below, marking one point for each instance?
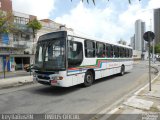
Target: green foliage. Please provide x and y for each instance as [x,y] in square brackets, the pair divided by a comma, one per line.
[6,22]
[156,48]
[34,25]
[108,0]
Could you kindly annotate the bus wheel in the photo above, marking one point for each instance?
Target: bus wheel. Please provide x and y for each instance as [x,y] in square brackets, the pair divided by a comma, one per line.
[88,79]
[122,70]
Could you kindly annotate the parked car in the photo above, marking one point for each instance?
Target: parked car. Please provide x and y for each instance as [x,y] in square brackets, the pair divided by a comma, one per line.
[28,67]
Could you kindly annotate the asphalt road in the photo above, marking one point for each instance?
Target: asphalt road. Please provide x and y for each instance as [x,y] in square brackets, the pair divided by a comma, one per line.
[103,93]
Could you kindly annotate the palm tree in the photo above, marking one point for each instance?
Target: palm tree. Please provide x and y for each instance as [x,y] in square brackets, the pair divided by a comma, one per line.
[108,0]
[35,25]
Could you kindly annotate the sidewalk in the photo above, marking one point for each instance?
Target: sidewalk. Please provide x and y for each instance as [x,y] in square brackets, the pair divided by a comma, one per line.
[142,105]
[14,74]
[15,81]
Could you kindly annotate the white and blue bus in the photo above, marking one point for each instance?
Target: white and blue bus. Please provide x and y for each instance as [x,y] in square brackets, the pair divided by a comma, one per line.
[65,59]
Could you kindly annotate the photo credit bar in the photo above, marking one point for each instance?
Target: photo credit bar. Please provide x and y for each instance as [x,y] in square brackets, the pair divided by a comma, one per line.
[17,117]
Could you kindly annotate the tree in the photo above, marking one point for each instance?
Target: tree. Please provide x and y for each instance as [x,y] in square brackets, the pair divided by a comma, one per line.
[108,0]
[156,48]
[34,25]
[6,22]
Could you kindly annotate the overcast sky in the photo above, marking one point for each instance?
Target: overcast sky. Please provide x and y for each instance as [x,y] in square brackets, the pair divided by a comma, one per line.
[112,21]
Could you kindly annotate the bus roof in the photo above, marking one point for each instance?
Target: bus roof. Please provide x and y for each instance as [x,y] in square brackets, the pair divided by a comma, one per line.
[80,35]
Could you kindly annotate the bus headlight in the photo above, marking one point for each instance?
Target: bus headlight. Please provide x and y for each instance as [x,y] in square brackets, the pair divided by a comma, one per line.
[60,78]
[57,78]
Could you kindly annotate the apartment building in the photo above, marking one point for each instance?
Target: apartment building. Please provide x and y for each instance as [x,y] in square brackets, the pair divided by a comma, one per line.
[49,25]
[157,25]
[139,31]
[16,47]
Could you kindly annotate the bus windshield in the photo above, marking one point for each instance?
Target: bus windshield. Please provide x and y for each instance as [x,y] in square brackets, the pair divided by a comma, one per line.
[50,55]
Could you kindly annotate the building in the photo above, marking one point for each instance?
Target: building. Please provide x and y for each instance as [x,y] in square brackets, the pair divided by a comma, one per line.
[48,26]
[6,5]
[133,42]
[23,40]
[157,25]
[139,31]
[138,44]
[16,47]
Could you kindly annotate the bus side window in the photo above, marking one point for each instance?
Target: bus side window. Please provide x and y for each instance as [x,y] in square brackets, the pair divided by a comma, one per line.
[89,49]
[123,52]
[107,50]
[130,53]
[126,52]
[119,53]
[111,51]
[116,52]
[100,50]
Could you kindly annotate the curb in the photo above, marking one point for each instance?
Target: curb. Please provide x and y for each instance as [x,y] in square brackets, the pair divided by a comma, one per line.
[16,81]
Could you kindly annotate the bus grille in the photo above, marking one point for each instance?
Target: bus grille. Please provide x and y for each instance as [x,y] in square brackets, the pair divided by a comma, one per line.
[43,77]
[44,83]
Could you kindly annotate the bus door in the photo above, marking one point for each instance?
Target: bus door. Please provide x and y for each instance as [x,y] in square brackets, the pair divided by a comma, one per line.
[75,58]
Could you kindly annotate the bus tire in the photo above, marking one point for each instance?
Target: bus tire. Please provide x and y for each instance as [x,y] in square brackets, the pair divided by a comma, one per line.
[88,79]
[122,70]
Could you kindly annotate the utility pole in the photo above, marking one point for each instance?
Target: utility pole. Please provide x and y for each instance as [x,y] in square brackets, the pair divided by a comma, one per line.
[149,45]
[149,36]
[4,66]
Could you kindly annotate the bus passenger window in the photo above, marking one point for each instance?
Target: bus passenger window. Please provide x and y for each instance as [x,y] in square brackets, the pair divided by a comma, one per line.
[130,53]
[111,51]
[100,50]
[107,50]
[89,49]
[127,52]
[116,51]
